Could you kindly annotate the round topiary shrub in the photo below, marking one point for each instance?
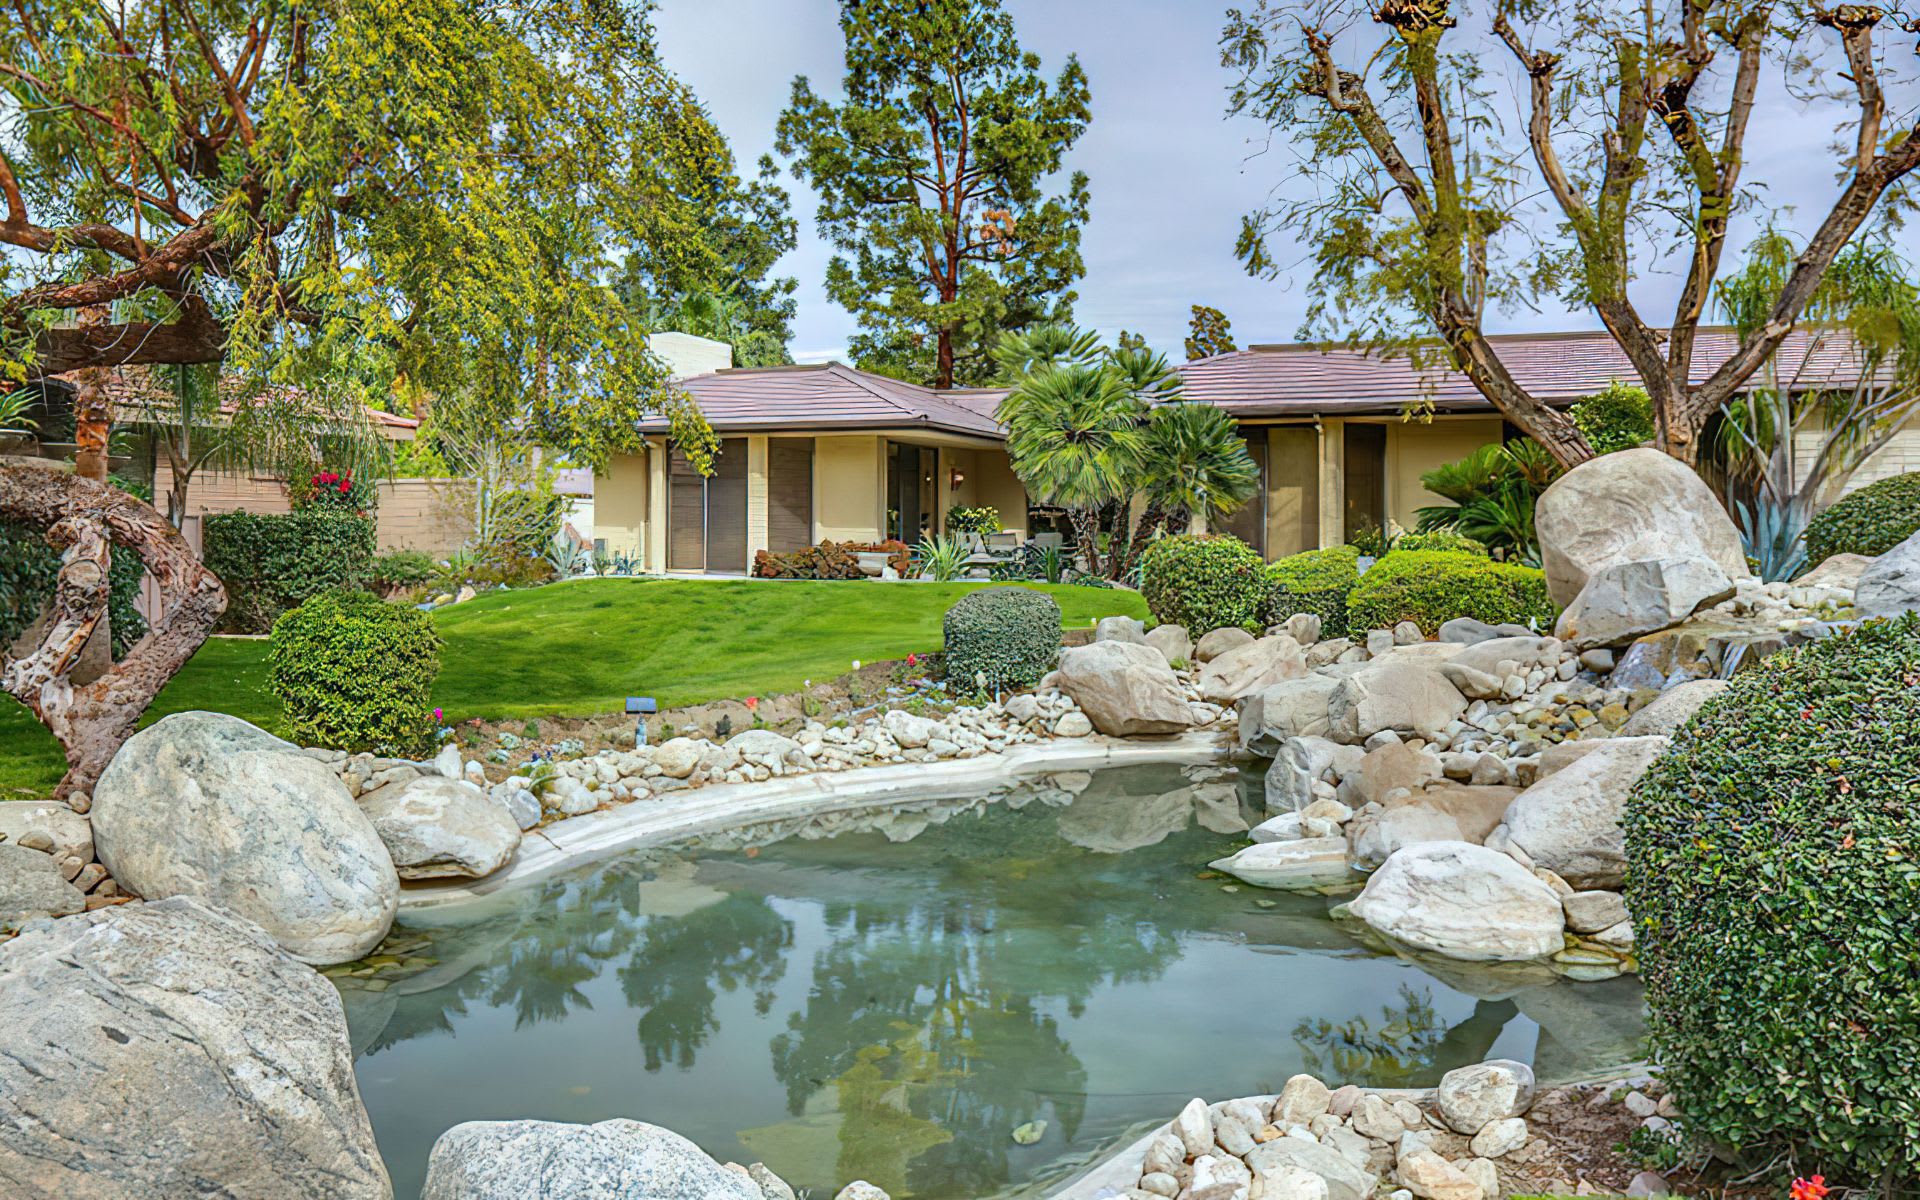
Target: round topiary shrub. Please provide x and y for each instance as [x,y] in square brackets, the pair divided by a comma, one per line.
[1203,583]
[356,673]
[1009,636]
[1313,581]
[1432,587]
[1870,521]
[1774,879]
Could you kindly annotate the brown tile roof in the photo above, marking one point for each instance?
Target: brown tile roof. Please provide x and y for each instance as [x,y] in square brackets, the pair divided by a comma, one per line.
[830,396]
[1304,380]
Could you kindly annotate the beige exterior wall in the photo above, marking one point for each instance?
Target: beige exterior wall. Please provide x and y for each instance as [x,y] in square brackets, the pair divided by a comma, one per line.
[620,504]
[1414,448]
[849,488]
[756,496]
[995,484]
[1293,490]
[1333,482]
[1898,457]
[428,515]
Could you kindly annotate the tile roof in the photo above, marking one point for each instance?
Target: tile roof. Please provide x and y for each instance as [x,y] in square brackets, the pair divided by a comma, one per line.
[828,396]
[1303,380]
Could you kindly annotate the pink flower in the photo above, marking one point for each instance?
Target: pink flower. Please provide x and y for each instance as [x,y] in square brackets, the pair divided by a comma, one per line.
[436,716]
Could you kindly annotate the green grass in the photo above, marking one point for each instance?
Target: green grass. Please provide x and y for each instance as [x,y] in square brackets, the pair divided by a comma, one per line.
[578,649]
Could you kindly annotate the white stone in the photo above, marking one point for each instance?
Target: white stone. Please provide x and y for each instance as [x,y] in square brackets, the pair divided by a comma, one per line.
[1250,668]
[1462,901]
[1626,600]
[1302,1099]
[1072,725]
[439,826]
[1194,1127]
[1306,863]
[1400,695]
[1124,689]
[1218,641]
[1172,642]
[1472,1097]
[1291,708]
[1500,1137]
[1569,821]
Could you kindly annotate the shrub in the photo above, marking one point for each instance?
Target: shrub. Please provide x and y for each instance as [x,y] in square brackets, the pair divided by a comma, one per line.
[978,518]
[1203,583]
[1870,521]
[334,492]
[1431,587]
[399,571]
[1774,888]
[1619,418]
[356,673]
[1009,635]
[1440,539]
[1313,581]
[272,562]
[28,566]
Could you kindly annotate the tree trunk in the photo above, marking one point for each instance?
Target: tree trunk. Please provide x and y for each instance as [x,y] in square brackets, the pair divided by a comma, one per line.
[943,364]
[1086,531]
[83,518]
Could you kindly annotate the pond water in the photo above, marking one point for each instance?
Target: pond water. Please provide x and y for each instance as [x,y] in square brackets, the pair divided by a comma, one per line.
[889,996]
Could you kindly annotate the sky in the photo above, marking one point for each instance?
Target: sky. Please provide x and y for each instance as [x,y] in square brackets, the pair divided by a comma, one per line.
[1170,174]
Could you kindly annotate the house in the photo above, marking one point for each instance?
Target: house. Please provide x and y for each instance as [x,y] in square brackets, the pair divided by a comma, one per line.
[1341,437]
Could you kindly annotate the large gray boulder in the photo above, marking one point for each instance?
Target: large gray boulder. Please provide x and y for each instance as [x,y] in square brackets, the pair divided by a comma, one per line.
[1404,695]
[1569,822]
[1673,708]
[1124,688]
[1216,642]
[440,828]
[204,804]
[31,885]
[1451,812]
[1250,668]
[1890,584]
[1626,600]
[172,1049]
[1462,901]
[548,1160]
[1293,708]
[1629,506]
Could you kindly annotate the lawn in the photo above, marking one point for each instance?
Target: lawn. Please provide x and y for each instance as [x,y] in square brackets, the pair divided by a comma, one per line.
[577,649]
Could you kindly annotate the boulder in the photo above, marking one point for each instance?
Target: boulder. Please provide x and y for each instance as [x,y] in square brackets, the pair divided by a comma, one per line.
[1344,1180]
[1674,708]
[1890,584]
[1569,822]
[1431,1177]
[1403,695]
[1479,671]
[1472,1097]
[777,752]
[1124,688]
[1302,863]
[1301,627]
[1250,668]
[1302,762]
[1291,708]
[1630,599]
[1629,506]
[1592,912]
[678,757]
[31,886]
[1839,571]
[1217,642]
[1394,766]
[70,833]
[1462,901]
[1120,629]
[203,804]
[1448,813]
[1468,631]
[440,828]
[1172,642]
[535,1160]
[172,1049]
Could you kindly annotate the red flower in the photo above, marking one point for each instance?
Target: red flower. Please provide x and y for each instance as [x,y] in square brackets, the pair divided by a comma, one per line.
[753,702]
[913,660]
[1810,1189]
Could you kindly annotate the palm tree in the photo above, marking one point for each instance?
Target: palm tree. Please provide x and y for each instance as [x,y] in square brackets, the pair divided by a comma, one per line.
[1195,464]
[1075,438]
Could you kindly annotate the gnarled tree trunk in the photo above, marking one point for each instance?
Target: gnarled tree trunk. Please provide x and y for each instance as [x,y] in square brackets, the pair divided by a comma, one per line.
[83,520]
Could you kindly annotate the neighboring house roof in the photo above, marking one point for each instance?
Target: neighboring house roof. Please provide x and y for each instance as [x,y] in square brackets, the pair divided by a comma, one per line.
[136,389]
[573,481]
[1306,380]
[827,396]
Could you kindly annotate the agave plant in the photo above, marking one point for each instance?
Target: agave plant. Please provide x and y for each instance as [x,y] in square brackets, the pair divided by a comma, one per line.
[942,557]
[566,556]
[1775,537]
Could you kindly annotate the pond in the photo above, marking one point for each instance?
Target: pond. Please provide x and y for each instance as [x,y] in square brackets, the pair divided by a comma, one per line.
[891,995]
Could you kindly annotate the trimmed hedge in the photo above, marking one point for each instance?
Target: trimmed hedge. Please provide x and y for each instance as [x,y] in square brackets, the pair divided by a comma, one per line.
[1313,581]
[1009,635]
[272,562]
[1431,587]
[1774,879]
[1440,539]
[356,673]
[1203,583]
[1870,521]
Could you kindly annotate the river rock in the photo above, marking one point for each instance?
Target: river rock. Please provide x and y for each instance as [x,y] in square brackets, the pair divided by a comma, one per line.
[1344,1180]
[1472,1097]
[1592,912]
[1462,901]
[1569,822]
[779,753]
[1124,688]
[538,1160]
[1302,863]
[172,1049]
[1120,629]
[1890,584]
[1631,505]
[1673,708]
[1172,642]
[1449,812]
[1216,642]
[440,828]
[1479,671]
[204,804]
[1291,708]
[1246,669]
[678,757]
[1431,1177]
[1630,599]
[1403,695]
[70,832]
[31,885]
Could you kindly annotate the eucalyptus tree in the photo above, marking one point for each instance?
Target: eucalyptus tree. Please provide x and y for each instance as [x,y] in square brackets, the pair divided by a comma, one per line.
[933,179]
[1419,206]
[292,188]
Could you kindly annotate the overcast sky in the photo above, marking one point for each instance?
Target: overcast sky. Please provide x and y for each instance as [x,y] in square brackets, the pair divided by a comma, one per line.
[1170,175]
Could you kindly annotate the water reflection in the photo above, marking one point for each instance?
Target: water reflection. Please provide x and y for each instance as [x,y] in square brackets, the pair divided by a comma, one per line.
[890,995]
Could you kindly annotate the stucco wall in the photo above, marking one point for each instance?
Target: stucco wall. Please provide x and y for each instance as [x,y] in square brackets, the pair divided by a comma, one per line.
[620,504]
[1293,490]
[1898,457]
[1414,448]
[849,486]
[428,515]
[996,484]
